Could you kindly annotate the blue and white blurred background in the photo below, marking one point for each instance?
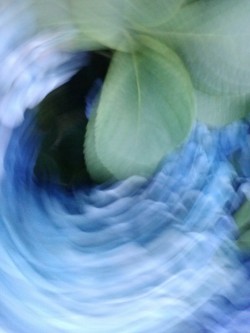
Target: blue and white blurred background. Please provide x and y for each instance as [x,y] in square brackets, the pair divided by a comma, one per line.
[163,255]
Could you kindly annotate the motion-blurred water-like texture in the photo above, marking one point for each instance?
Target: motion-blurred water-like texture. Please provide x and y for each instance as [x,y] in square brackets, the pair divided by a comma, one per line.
[162,255]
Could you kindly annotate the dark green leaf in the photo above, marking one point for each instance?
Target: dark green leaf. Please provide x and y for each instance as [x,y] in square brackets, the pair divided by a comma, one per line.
[242,218]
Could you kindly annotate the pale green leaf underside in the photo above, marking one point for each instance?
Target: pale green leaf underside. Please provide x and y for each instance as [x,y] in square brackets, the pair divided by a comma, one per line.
[50,14]
[148,13]
[56,16]
[102,21]
[96,169]
[146,109]
[221,110]
[114,23]
[95,23]
[212,37]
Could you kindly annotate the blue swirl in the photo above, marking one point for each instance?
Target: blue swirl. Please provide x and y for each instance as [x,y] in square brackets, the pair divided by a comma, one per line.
[137,256]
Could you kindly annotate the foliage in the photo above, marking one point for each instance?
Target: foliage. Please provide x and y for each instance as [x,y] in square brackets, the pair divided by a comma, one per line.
[242,218]
[174,61]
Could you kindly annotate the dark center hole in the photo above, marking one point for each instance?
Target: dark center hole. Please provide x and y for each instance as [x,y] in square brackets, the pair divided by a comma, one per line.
[62,121]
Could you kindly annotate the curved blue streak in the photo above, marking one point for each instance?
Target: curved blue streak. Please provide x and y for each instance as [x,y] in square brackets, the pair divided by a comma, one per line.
[137,256]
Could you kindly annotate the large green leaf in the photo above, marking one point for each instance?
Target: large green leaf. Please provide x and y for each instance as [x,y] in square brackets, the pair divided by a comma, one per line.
[95,167]
[221,110]
[146,110]
[51,13]
[147,13]
[242,215]
[102,21]
[213,39]
[56,16]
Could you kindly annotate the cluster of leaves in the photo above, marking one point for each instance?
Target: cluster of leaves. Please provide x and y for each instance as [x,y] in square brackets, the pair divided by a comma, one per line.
[175,61]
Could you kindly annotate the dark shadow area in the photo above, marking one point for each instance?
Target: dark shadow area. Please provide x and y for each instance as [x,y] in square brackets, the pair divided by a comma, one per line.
[62,121]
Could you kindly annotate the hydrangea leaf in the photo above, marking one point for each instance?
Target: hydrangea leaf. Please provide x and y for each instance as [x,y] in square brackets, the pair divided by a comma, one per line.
[55,16]
[242,218]
[212,37]
[50,14]
[147,13]
[96,169]
[146,110]
[103,22]
[221,110]
[242,215]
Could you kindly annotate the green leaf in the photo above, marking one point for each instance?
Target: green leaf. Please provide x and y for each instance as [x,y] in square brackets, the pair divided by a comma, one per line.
[244,240]
[146,110]
[55,16]
[242,215]
[242,218]
[51,14]
[147,13]
[221,110]
[102,21]
[96,169]
[213,39]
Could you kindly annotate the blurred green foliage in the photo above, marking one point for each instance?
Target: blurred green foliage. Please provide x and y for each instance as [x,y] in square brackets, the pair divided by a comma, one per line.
[209,40]
[242,218]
